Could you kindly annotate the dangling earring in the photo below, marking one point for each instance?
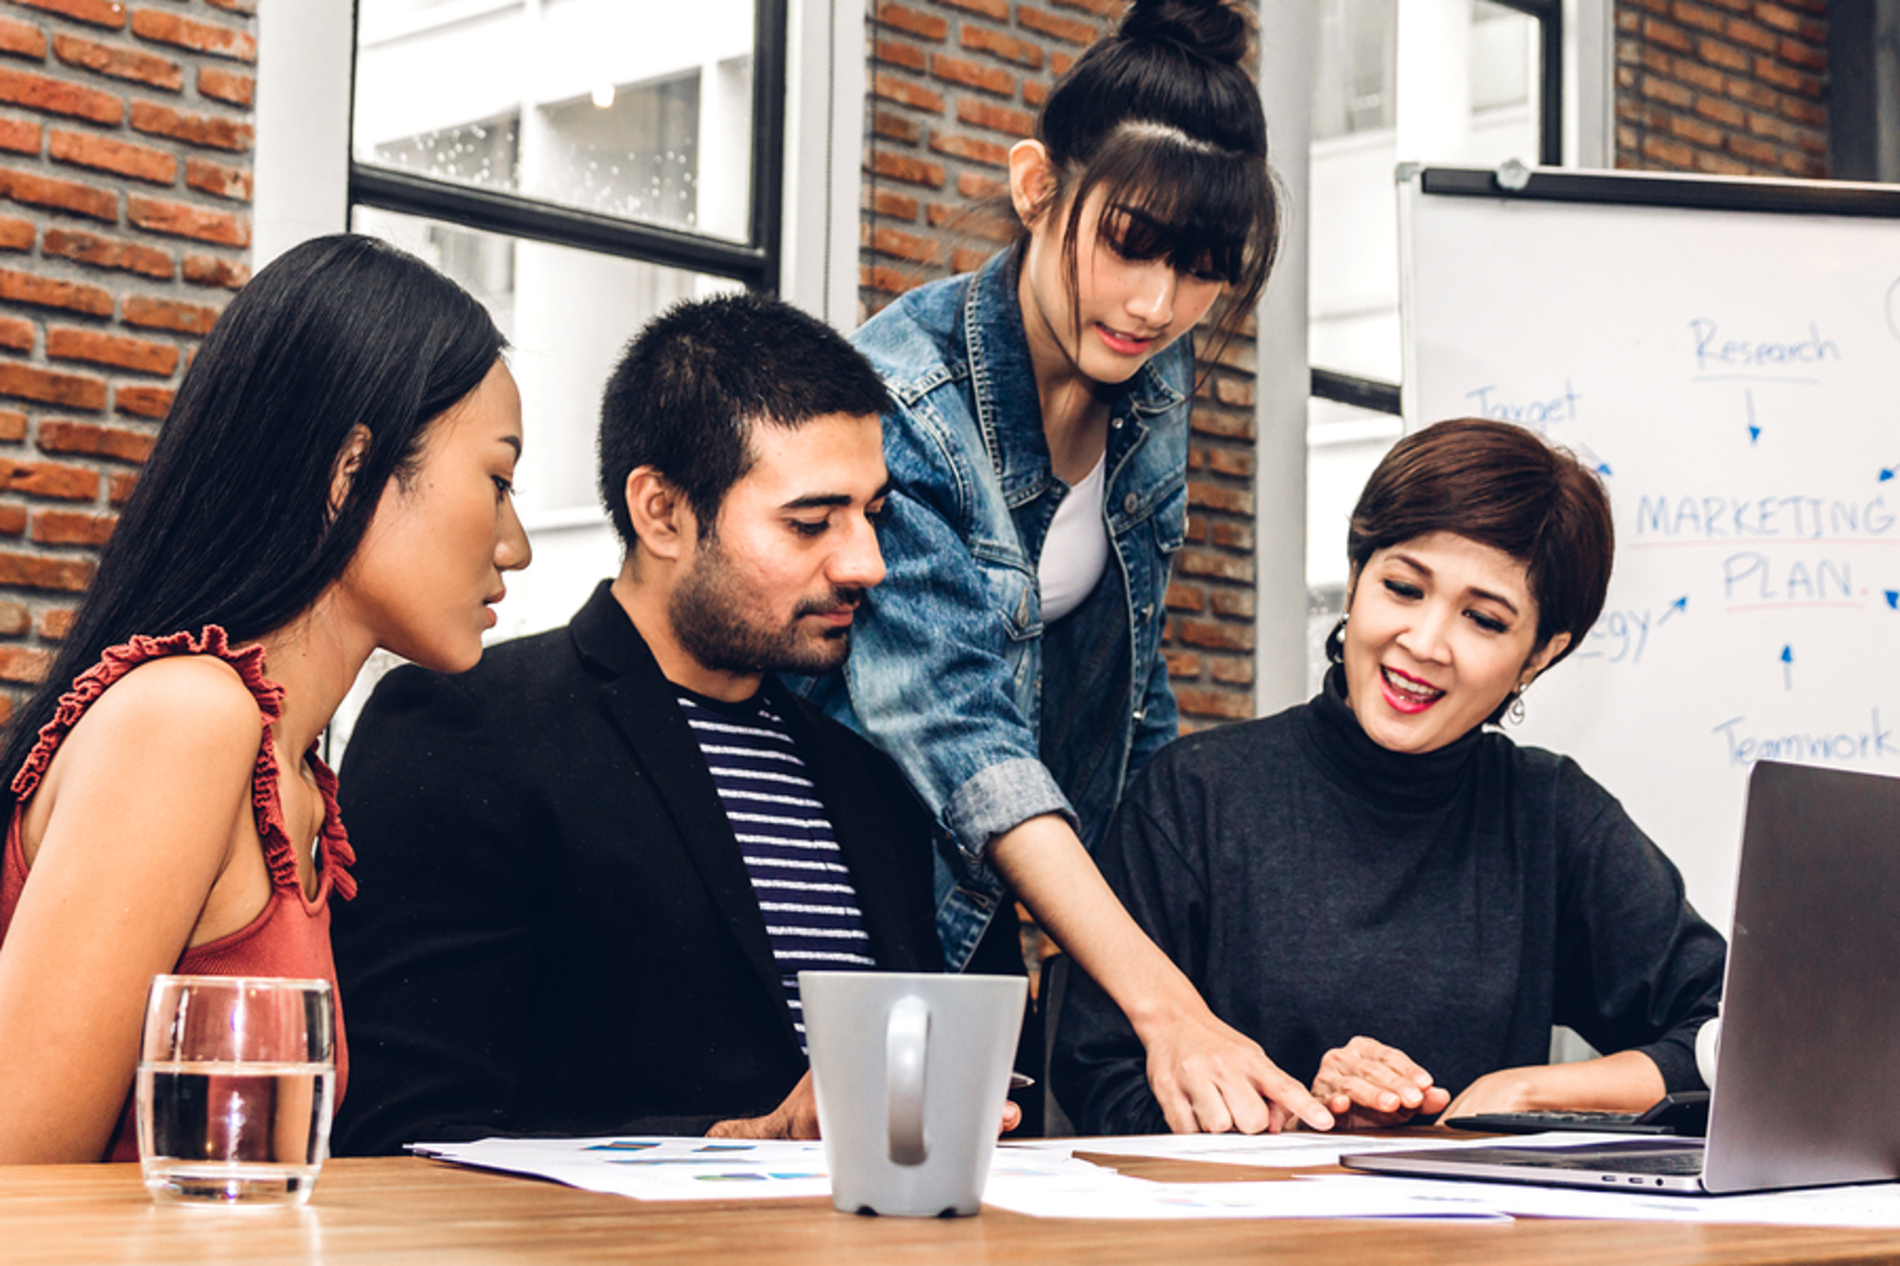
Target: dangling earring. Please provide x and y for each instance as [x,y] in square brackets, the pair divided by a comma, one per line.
[1516,713]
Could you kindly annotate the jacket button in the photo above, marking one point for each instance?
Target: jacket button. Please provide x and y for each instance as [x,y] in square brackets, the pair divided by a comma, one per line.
[1147,610]
[1131,503]
[1141,714]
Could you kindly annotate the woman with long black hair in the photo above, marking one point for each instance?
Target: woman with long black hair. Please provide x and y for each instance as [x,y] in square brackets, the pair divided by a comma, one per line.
[334,477]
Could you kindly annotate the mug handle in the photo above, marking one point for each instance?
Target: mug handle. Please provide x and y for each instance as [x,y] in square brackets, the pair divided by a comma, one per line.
[905,1036]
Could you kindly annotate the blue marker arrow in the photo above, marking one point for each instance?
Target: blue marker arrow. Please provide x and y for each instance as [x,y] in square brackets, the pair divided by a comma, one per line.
[1893,599]
[1680,604]
[1787,667]
[1602,467]
[1754,432]
[1888,472]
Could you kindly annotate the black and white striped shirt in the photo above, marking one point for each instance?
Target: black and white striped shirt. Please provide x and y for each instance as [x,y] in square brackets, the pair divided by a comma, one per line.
[799,875]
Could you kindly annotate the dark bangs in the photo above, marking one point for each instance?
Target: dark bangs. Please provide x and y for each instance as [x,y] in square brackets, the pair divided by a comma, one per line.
[1207,210]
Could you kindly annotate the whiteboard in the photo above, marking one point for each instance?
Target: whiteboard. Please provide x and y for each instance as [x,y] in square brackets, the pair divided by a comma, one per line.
[1734,375]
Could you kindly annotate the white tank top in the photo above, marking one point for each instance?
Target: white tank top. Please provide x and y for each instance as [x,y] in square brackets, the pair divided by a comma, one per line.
[1076,549]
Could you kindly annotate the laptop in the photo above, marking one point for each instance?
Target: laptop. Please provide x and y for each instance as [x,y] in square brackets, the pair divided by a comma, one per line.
[1810,1054]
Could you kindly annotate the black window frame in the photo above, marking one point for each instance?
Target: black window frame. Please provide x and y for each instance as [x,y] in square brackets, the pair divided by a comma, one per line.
[754,262]
[1549,15]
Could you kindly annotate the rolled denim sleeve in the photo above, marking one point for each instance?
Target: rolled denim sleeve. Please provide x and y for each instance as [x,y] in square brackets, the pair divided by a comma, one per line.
[998,798]
[931,676]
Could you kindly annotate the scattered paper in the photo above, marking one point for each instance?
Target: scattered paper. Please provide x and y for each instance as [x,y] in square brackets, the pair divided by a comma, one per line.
[1296,1149]
[658,1168]
[1871,1205]
[653,1168]
[1112,1196]
[1043,1179]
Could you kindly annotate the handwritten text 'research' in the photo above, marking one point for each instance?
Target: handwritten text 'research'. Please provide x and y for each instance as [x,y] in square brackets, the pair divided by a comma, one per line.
[1714,353]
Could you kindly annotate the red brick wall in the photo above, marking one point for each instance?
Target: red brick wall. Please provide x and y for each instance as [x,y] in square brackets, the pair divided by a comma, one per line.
[953,84]
[1731,87]
[125,179]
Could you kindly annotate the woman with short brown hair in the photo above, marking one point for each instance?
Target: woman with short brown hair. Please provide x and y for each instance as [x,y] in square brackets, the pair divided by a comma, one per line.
[1396,902]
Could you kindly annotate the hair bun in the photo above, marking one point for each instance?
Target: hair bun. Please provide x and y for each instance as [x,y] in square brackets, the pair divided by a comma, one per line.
[1213,28]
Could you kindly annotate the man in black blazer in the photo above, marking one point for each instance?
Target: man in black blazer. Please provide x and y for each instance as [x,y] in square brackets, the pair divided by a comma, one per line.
[558,930]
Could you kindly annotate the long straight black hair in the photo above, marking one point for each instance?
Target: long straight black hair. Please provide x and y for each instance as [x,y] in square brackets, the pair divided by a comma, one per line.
[232,522]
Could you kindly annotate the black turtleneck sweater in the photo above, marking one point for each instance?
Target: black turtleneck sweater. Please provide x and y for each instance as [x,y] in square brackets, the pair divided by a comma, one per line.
[1315,886]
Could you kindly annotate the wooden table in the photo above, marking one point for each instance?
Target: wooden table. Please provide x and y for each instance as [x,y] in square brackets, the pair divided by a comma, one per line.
[413,1211]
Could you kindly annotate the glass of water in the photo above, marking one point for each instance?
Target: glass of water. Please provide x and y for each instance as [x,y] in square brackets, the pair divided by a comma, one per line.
[236,1077]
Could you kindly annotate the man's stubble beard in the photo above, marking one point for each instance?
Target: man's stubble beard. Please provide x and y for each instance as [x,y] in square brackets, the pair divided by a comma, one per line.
[709,619]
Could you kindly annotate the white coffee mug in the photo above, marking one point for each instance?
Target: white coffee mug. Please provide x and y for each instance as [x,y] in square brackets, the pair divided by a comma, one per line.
[911,1071]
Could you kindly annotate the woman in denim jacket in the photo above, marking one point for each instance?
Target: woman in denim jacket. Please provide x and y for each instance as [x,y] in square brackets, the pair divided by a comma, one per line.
[1011,659]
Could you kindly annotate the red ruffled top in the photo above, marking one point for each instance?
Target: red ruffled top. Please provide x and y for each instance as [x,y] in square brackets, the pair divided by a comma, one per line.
[291,935]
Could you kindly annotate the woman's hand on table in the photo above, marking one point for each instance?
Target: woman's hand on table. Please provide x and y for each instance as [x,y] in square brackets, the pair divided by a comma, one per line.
[1210,1078]
[795,1118]
[1507,1090]
[1368,1085]
[1627,1081]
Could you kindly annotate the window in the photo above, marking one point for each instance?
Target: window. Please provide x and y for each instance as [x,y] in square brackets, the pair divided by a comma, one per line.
[1358,55]
[1517,49]
[1513,51]
[578,165]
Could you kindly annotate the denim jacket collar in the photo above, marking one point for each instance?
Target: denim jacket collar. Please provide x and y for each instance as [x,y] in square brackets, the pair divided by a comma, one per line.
[1003,383]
